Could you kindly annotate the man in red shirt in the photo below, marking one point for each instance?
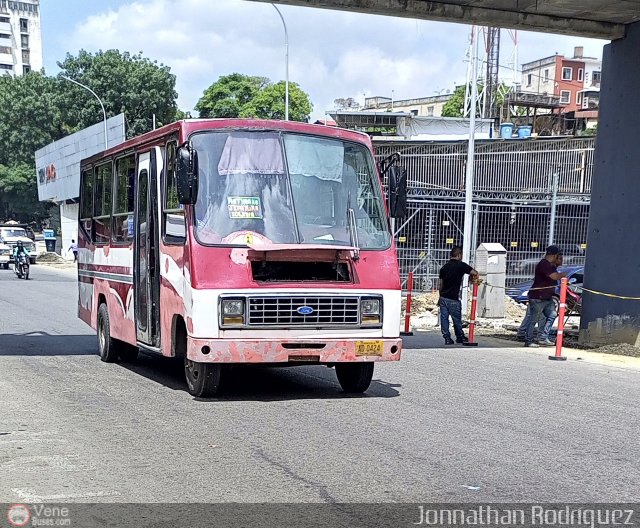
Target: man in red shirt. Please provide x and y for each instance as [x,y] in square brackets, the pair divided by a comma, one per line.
[541,302]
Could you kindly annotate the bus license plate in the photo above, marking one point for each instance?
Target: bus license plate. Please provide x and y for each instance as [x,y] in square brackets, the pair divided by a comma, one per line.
[369,348]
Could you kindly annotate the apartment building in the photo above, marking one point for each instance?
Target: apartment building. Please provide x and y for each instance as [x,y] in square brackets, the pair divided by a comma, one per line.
[576,80]
[423,107]
[20,37]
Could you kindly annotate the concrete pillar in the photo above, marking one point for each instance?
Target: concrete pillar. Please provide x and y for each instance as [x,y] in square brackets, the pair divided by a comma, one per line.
[613,251]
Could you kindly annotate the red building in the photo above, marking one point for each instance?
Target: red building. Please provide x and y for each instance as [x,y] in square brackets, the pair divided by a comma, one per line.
[576,80]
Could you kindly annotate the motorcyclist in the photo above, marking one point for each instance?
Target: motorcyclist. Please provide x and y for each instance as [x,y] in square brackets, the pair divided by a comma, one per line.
[18,250]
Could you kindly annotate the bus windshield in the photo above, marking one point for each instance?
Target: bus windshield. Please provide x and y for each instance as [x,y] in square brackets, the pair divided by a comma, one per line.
[267,187]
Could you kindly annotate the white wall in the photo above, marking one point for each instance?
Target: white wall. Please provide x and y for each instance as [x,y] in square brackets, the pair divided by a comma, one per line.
[68,227]
[58,163]
[538,82]
[589,68]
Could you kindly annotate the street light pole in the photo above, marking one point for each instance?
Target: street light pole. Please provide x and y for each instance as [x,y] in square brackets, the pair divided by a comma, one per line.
[468,195]
[104,113]
[286,59]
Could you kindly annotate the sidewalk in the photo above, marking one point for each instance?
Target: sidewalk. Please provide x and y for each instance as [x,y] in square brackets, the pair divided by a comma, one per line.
[433,340]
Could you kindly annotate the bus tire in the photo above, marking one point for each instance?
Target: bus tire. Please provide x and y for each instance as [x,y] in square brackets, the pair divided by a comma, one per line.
[355,377]
[108,347]
[203,379]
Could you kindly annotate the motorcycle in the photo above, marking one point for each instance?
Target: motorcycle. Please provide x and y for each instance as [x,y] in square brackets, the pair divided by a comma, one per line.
[21,268]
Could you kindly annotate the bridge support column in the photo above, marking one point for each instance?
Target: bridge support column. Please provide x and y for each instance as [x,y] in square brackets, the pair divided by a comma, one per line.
[613,243]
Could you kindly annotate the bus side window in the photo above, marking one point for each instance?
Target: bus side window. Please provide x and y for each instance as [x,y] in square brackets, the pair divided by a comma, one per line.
[102,207]
[173,228]
[123,199]
[86,203]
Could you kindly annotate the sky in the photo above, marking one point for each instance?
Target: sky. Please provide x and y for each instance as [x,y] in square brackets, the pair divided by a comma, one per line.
[332,54]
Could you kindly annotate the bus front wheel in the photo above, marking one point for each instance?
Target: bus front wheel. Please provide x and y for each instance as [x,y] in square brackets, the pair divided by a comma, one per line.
[354,377]
[203,379]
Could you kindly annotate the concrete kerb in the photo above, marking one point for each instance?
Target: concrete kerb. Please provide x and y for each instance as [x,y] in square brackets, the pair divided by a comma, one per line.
[590,356]
[69,268]
[428,341]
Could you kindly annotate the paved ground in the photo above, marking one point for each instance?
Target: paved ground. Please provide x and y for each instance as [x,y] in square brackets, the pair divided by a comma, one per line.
[455,424]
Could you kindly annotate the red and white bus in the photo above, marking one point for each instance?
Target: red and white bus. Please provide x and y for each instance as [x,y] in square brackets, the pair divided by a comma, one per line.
[240,241]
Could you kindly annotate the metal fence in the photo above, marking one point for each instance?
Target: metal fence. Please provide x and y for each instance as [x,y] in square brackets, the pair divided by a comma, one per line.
[526,195]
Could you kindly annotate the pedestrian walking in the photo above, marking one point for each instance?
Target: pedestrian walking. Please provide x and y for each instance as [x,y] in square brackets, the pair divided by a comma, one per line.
[541,306]
[451,275]
[74,247]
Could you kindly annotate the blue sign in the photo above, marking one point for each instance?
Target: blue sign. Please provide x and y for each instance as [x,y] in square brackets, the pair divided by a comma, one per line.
[305,310]
[130,226]
[49,234]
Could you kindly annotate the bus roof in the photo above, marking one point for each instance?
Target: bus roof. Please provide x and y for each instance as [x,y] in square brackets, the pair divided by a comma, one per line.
[187,127]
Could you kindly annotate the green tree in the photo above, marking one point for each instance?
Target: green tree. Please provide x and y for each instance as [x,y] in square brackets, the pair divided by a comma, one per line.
[454,107]
[229,94]
[181,114]
[36,109]
[346,103]
[30,116]
[19,194]
[238,95]
[127,83]
[269,103]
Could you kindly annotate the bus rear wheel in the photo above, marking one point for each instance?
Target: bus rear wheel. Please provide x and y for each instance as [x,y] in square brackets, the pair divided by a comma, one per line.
[203,379]
[109,348]
[355,377]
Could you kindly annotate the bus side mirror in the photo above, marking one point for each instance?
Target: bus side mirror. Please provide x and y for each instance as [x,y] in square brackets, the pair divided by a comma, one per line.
[397,192]
[187,175]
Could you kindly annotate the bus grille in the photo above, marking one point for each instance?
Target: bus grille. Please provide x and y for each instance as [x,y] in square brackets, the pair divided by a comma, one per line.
[304,311]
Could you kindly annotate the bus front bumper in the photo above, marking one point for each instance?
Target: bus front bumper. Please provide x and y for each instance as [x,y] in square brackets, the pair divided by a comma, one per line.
[293,351]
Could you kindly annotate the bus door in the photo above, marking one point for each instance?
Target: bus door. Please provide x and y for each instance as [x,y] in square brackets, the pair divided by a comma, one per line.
[146,256]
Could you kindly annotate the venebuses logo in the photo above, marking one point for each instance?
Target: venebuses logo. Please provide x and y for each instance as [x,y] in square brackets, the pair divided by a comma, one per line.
[18,515]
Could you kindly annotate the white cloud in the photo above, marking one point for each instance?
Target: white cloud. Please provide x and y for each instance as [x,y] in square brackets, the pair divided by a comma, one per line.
[332,54]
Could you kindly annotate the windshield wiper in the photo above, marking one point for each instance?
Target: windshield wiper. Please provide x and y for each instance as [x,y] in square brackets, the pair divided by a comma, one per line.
[353,229]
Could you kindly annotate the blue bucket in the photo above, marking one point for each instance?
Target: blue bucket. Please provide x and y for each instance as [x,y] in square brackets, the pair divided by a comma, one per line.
[506,130]
[524,132]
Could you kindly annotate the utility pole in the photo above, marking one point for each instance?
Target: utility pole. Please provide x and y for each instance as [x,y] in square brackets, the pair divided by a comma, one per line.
[286,64]
[554,201]
[468,196]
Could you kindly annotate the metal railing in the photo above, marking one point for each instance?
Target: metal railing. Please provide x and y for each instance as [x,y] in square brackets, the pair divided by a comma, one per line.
[527,194]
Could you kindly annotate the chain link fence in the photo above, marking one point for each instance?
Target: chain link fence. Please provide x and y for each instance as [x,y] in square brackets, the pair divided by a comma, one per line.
[527,194]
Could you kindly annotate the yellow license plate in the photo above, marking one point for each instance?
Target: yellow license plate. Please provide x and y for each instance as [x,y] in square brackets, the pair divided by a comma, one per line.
[369,348]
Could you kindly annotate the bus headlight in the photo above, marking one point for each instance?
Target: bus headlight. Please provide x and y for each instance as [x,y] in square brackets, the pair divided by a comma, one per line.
[370,313]
[232,311]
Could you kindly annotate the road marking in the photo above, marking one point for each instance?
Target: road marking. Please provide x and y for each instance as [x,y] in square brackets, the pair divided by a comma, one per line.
[32,497]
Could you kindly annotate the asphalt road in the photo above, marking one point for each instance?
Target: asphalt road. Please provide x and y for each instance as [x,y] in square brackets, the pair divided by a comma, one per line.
[455,424]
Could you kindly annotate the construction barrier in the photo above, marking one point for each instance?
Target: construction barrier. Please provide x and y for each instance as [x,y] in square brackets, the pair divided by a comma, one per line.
[563,305]
[407,316]
[472,319]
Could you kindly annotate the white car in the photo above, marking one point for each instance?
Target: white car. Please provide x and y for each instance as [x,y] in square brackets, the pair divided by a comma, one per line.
[5,255]
[11,234]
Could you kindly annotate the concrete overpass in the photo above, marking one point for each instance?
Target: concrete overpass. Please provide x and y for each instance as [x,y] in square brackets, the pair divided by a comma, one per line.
[604,19]
[613,245]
